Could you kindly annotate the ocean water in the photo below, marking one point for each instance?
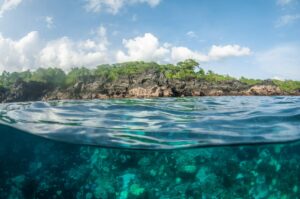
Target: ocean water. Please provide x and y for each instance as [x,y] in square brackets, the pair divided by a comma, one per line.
[208,147]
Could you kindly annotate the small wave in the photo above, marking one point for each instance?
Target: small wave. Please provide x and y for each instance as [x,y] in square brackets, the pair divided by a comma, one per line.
[162,123]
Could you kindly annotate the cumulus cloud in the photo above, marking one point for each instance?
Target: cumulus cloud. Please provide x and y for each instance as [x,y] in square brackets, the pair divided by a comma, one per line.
[145,48]
[182,53]
[281,61]
[287,20]
[113,6]
[31,52]
[9,5]
[219,52]
[149,48]
[65,53]
[19,54]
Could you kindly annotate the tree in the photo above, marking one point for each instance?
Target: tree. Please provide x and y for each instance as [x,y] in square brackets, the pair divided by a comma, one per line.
[7,79]
[78,74]
[186,70]
[53,76]
[188,65]
[201,72]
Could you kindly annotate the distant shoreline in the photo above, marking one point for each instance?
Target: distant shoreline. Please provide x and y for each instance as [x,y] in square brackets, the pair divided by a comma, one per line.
[36,91]
[135,80]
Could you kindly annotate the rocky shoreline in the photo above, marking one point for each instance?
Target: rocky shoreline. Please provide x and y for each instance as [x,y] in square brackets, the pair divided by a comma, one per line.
[145,85]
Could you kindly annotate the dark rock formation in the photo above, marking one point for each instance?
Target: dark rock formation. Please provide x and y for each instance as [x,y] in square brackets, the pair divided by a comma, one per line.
[148,84]
[24,91]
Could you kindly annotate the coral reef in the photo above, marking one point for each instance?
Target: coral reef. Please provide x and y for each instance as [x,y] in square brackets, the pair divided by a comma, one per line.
[32,167]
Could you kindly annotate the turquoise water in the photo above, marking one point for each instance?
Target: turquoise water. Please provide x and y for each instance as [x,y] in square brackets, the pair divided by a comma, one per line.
[163,123]
[230,147]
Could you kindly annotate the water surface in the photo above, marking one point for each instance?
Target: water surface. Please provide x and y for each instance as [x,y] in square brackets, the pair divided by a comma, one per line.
[162,123]
[33,167]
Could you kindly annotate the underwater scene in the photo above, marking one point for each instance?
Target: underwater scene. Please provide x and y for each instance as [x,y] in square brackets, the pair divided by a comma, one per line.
[197,147]
[149,99]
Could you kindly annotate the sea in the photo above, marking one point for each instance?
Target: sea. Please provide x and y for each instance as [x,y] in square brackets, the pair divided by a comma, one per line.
[162,148]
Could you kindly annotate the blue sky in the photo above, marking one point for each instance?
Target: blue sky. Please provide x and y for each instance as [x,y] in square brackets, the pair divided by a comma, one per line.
[257,38]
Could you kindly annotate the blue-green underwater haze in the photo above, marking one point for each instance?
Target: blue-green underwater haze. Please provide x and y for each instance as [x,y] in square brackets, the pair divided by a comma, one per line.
[194,148]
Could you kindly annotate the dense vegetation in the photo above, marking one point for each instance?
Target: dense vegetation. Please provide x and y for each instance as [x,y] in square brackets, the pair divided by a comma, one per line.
[186,70]
[287,85]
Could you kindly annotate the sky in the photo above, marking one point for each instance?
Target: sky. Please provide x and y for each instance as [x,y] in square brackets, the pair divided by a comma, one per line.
[250,38]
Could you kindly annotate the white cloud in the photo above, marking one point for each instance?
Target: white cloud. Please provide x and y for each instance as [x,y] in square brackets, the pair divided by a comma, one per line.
[66,53]
[20,54]
[287,20]
[31,52]
[182,53]
[284,2]
[148,48]
[49,22]
[8,5]
[281,61]
[113,6]
[101,35]
[219,52]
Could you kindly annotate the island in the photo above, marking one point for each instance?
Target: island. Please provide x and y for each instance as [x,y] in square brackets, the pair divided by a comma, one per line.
[134,80]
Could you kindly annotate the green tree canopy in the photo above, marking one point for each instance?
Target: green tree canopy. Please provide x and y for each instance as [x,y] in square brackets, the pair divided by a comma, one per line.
[185,70]
[52,76]
[188,65]
[78,74]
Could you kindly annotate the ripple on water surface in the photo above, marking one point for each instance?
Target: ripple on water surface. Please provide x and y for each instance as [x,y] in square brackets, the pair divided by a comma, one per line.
[161,123]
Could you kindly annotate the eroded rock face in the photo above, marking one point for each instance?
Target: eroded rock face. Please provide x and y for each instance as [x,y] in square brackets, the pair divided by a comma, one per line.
[26,91]
[157,85]
[144,92]
[148,84]
[155,91]
[264,90]
[3,93]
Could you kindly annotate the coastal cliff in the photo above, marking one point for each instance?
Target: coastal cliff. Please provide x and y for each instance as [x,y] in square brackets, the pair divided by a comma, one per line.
[156,85]
[150,81]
